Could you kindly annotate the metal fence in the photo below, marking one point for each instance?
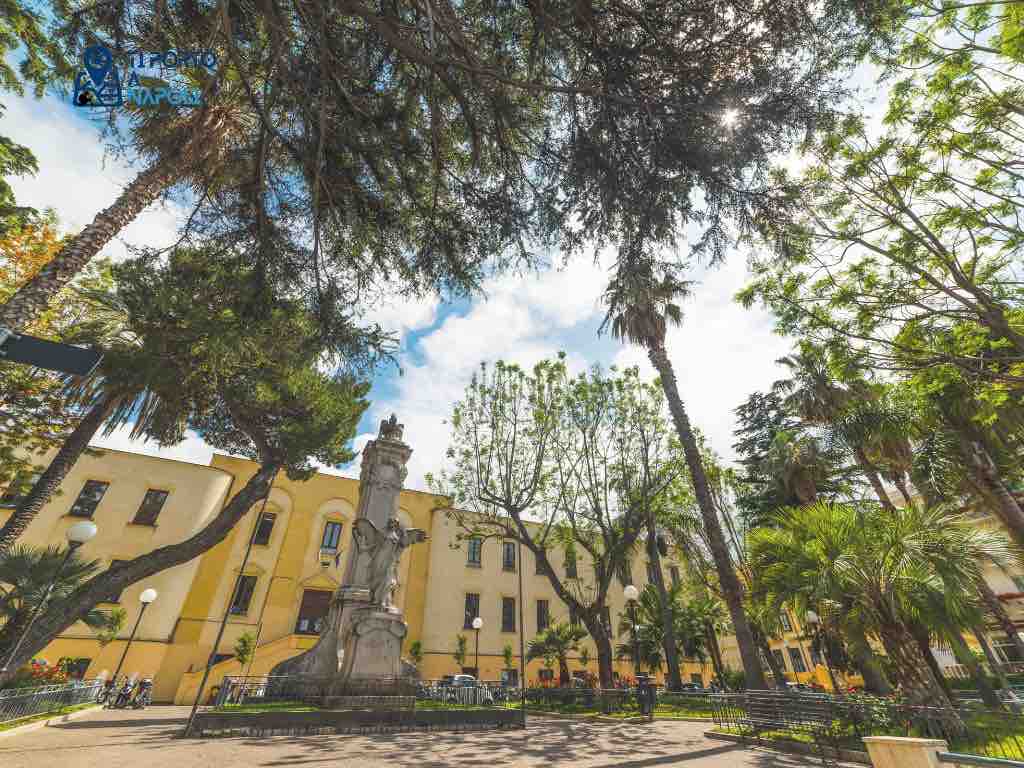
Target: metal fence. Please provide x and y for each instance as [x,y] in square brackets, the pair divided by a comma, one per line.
[16,703]
[842,721]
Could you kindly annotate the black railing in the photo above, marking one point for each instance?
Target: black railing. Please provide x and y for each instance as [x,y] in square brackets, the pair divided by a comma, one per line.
[842,721]
[952,758]
[17,703]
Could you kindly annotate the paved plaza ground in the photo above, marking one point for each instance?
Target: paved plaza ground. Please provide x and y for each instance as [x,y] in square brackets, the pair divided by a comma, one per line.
[148,739]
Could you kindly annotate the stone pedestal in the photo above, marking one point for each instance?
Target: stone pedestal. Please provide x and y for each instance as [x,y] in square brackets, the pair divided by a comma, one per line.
[361,639]
[900,752]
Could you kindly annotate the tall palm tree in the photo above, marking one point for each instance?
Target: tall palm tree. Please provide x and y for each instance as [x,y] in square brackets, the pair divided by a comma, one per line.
[642,302]
[556,642]
[25,575]
[798,465]
[875,569]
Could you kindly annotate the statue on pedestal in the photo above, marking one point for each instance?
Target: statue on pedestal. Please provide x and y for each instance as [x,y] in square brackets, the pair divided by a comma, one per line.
[361,638]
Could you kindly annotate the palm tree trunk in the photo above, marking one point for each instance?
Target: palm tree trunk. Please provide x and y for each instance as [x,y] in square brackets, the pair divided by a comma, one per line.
[674,680]
[918,684]
[997,610]
[604,656]
[732,590]
[778,671]
[31,299]
[74,446]
[563,672]
[868,664]
[964,656]
[872,475]
[61,614]
[923,640]
[987,474]
[901,484]
[993,663]
[716,651]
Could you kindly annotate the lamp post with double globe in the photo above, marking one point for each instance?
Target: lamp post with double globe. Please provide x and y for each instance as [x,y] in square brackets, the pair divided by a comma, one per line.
[77,535]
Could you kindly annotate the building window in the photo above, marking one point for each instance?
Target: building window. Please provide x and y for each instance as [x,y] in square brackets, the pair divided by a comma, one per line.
[476,553]
[75,668]
[510,677]
[20,485]
[570,565]
[115,597]
[674,572]
[312,610]
[508,614]
[543,615]
[332,535]
[797,659]
[787,626]
[244,588]
[539,562]
[780,660]
[261,535]
[816,659]
[545,675]
[149,509]
[508,555]
[88,498]
[472,609]
[651,573]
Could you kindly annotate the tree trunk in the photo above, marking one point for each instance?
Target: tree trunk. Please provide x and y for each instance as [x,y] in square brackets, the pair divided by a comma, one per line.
[923,641]
[964,656]
[604,657]
[872,475]
[917,682]
[674,678]
[59,615]
[716,651]
[563,672]
[74,446]
[870,669]
[987,473]
[31,299]
[732,589]
[901,484]
[997,610]
[994,665]
[778,671]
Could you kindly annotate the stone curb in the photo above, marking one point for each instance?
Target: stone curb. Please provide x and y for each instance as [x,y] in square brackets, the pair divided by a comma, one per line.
[792,747]
[589,718]
[67,717]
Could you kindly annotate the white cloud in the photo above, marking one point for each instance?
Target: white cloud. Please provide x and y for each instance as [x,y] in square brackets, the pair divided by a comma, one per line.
[76,177]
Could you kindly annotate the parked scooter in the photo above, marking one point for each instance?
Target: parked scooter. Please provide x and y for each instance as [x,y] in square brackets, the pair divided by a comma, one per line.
[144,695]
[107,694]
[124,696]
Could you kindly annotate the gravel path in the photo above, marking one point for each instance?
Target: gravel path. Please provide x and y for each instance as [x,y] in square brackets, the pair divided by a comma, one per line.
[148,739]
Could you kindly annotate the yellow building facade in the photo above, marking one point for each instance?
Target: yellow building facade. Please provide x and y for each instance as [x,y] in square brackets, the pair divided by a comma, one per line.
[140,502]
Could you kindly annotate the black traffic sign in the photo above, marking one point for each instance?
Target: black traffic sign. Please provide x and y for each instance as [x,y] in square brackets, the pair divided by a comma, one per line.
[20,348]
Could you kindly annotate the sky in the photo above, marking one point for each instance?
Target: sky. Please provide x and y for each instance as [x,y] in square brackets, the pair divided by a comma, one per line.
[721,353]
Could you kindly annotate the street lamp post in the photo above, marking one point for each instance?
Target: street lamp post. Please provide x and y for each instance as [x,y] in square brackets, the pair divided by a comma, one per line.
[815,621]
[631,593]
[147,597]
[477,624]
[77,535]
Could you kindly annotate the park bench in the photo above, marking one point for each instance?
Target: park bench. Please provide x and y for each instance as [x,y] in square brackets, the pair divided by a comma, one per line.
[792,714]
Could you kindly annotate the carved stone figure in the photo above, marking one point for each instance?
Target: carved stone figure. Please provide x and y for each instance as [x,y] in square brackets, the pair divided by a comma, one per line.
[362,634]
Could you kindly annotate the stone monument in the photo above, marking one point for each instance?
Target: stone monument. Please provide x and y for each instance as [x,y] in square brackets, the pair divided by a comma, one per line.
[361,637]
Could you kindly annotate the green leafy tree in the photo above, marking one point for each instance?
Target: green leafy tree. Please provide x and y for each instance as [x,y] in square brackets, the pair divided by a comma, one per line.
[116,618]
[416,652]
[253,386]
[245,648]
[867,566]
[460,650]
[555,644]
[25,574]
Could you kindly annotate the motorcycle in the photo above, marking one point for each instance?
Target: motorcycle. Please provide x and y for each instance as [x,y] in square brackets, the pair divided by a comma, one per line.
[107,692]
[124,696]
[144,696]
